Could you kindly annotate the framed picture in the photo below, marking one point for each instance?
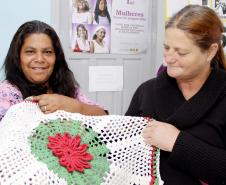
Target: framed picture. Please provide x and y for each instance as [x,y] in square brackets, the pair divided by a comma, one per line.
[220,7]
[224,37]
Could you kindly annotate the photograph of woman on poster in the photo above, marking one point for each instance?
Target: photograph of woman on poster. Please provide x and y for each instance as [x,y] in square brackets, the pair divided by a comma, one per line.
[101,13]
[81,43]
[81,12]
[98,44]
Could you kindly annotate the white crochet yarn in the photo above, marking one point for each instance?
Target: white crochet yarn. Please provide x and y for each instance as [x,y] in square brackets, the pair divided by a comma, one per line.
[129,156]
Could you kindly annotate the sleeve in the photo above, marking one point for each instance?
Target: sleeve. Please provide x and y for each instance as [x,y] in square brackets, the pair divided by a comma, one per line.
[204,161]
[82,98]
[9,96]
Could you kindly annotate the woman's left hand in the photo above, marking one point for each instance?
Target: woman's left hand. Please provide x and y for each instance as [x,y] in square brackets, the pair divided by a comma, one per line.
[49,103]
[161,135]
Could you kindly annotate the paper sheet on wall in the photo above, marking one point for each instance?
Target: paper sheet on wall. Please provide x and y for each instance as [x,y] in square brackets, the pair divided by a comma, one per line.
[105,78]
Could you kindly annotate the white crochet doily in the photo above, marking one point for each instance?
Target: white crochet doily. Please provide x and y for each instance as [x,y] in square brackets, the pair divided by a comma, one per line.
[129,161]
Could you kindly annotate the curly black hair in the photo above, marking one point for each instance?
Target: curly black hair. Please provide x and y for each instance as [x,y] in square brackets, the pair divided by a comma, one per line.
[61,80]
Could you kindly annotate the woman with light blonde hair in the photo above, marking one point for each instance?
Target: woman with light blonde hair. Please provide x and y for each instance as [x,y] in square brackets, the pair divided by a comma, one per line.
[81,13]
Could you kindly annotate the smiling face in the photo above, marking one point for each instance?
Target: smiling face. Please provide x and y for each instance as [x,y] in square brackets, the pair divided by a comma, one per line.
[37,58]
[81,5]
[101,34]
[82,32]
[102,5]
[184,59]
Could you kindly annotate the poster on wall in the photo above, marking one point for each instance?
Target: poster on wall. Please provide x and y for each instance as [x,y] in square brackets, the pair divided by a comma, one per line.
[109,26]
[91,26]
[129,26]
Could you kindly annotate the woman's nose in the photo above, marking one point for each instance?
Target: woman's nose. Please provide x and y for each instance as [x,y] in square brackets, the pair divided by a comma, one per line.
[170,57]
[39,57]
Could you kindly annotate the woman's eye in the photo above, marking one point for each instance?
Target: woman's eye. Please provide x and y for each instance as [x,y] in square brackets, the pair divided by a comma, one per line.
[29,51]
[166,48]
[182,54]
[48,52]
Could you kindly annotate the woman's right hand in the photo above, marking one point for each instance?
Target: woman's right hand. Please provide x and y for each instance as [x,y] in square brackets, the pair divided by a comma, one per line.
[160,134]
[49,103]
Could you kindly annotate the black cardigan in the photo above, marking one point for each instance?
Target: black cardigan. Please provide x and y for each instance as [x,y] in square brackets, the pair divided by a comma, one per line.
[200,149]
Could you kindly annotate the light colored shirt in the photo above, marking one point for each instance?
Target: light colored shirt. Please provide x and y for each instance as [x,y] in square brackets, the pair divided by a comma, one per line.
[82,46]
[82,18]
[10,95]
[103,20]
[100,49]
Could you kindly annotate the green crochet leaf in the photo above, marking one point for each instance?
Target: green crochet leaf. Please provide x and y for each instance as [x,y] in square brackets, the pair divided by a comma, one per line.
[100,165]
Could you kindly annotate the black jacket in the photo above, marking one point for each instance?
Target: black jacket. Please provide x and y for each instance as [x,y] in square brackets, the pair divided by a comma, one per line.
[200,149]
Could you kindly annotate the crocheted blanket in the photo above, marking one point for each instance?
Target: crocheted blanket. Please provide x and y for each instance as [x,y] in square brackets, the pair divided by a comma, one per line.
[64,148]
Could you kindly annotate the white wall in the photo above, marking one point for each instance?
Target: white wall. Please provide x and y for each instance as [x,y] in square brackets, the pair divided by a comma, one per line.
[13,14]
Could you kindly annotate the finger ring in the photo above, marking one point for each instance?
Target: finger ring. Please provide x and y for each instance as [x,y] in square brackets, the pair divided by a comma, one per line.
[44,108]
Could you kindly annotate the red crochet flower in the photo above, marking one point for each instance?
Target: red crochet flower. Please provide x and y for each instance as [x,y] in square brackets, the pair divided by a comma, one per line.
[71,153]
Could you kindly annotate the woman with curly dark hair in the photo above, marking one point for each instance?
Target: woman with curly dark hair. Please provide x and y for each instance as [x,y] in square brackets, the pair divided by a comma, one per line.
[35,66]
[101,14]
